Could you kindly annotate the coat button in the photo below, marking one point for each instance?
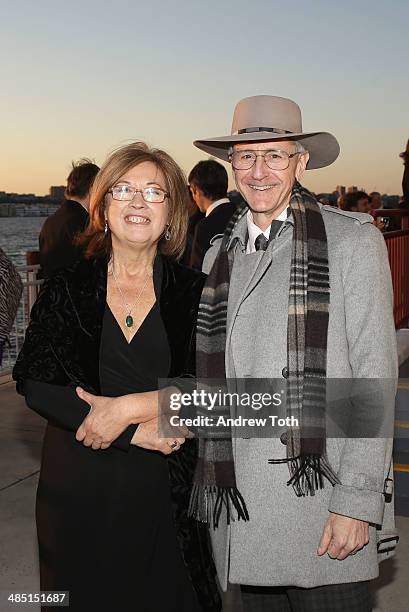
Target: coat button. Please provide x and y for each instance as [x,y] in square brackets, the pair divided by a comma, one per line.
[284,438]
[284,372]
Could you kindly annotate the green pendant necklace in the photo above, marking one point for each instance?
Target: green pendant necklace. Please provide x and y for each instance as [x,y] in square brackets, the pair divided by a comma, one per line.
[128,309]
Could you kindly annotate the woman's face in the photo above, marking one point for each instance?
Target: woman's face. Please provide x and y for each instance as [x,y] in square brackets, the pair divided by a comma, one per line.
[136,222]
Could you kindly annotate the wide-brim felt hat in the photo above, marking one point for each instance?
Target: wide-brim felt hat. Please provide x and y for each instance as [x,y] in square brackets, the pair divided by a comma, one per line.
[261,118]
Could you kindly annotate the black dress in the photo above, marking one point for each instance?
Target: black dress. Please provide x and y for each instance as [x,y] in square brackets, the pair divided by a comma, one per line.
[104,518]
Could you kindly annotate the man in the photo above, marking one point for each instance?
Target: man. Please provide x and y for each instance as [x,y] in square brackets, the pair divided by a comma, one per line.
[357,201]
[375,199]
[56,240]
[405,179]
[208,185]
[284,299]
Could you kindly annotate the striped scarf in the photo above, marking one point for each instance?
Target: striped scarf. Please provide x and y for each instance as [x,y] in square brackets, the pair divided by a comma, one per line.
[214,486]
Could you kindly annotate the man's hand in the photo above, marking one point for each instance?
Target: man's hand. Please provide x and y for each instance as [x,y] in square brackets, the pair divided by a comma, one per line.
[106,420]
[343,536]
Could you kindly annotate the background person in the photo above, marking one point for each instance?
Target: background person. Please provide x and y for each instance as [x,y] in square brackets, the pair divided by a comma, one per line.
[208,182]
[359,201]
[11,288]
[57,237]
[112,524]
[405,179]
[375,200]
[194,217]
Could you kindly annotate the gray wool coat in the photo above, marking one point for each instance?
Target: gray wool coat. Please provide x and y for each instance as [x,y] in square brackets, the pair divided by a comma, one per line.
[278,545]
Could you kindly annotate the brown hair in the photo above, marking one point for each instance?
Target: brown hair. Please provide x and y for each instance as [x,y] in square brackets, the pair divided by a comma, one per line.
[97,243]
[81,177]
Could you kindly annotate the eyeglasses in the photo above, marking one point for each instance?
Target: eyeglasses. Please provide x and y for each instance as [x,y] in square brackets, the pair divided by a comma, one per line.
[126,193]
[275,160]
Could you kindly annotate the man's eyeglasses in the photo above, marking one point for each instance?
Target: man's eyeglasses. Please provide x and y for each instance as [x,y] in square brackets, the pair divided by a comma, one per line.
[126,193]
[275,159]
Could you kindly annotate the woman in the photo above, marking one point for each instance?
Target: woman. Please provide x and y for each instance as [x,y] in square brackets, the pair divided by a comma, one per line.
[112,524]
[11,289]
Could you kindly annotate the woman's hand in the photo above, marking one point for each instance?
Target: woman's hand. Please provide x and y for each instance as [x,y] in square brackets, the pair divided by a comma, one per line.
[147,436]
[110,416]
[106,420]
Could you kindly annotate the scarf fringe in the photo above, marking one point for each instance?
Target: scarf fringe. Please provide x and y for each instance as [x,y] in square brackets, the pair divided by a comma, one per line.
[206,504]
[307,473]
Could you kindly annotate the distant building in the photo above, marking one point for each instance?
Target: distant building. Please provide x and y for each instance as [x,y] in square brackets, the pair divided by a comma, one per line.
[57,192]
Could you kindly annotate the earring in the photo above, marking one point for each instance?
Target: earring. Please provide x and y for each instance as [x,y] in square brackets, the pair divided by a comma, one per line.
[106,226]
[167,233]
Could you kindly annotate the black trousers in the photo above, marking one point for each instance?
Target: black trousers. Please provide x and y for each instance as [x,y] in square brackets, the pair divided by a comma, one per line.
[349,597]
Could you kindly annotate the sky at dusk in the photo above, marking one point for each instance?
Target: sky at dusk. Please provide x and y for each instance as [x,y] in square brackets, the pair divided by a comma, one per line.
[80,78]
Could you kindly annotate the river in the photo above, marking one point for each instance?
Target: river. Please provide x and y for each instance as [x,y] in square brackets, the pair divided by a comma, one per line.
[19,235]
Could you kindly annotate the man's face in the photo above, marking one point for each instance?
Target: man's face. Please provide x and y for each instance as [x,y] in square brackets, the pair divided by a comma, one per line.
[376,201]
[267,191]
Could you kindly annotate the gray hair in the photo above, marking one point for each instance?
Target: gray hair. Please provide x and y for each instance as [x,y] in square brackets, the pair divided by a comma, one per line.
[299,148]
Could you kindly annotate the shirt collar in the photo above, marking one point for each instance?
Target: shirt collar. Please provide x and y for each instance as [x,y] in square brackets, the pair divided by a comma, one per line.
[254,230]
[215,204]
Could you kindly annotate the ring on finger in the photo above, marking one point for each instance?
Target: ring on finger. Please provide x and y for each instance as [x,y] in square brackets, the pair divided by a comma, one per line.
[174,445]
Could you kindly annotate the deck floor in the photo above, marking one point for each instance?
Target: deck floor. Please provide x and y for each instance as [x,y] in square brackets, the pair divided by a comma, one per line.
[21,432]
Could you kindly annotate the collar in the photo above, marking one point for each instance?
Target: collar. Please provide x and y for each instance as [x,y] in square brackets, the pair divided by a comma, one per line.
[75,203]
[241,231]
[215,204]
[254,230]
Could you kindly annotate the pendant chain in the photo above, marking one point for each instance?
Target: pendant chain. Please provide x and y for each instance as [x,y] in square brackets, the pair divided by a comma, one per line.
[128,308]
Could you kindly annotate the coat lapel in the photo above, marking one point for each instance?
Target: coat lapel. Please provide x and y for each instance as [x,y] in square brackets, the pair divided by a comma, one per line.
[244,269]
[244,272]
[247,272]
[267,258]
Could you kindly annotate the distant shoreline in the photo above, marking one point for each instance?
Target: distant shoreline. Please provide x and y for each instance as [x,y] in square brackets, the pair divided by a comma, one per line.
[27,210]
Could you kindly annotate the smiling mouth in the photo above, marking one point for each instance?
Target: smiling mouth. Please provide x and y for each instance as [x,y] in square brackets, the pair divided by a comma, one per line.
[261,187]
[137,220]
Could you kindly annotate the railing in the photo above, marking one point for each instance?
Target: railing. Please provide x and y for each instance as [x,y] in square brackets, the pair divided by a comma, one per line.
[397,243]
[31,287]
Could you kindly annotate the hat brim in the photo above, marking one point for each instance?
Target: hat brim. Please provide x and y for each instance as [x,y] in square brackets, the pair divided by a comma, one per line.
[322,146]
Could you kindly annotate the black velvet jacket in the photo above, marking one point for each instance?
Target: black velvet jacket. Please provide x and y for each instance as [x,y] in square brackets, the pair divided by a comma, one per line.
[62,348]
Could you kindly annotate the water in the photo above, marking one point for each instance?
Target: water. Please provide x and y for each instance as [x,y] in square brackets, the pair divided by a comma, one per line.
[18,235]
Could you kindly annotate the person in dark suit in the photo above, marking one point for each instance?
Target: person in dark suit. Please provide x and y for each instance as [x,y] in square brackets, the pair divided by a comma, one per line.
[405,180]
[208,185]
[195,215]
[56,240]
